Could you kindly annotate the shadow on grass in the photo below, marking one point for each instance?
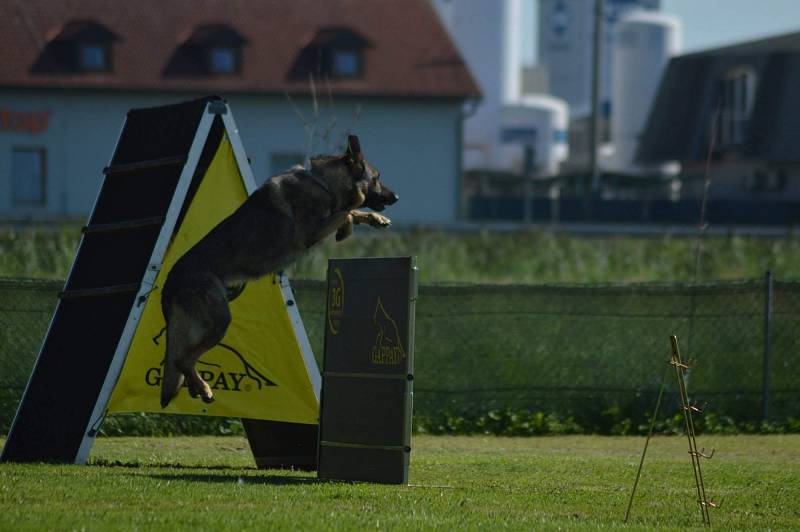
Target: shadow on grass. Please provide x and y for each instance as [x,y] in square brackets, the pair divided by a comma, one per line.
[209,473]
[211,478]
[168,465]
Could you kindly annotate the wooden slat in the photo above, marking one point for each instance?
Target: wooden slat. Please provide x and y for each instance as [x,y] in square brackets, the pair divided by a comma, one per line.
[100,291]
[144,165]
[119,226]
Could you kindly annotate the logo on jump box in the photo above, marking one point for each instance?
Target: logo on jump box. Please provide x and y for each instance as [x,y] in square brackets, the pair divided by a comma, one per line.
[388,349]
[335,301]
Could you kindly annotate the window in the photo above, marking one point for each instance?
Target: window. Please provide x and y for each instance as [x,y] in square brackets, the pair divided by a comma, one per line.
[210,50]
[333,53]
[737,92]
[94,57]
[81,46]
[766,180]
[223,60]
[346,64]
[28,176]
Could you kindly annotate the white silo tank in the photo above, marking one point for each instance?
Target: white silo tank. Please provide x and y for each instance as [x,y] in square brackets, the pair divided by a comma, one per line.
[487,34]
[538,120]
[643,41]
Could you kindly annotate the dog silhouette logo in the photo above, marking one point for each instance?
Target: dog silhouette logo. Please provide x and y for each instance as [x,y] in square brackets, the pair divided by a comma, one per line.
[388,349]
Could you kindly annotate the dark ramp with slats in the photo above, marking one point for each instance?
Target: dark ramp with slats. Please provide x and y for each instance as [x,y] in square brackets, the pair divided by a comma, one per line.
[54,416]
[365,420]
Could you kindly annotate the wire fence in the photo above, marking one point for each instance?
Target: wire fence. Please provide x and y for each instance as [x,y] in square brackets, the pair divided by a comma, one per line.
[594,354]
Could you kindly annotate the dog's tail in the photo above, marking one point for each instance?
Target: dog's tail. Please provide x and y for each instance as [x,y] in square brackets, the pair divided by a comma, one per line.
[172,377]
[171,383]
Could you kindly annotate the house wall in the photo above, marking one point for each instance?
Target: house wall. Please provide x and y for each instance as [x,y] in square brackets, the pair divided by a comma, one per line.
[415,143]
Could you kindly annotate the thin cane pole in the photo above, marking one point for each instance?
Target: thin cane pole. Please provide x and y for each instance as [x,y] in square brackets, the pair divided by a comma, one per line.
[687,417]
[647,441]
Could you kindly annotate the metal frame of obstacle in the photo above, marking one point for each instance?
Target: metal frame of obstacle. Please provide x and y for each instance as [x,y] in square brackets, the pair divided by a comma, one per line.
[367,382]
[146,189]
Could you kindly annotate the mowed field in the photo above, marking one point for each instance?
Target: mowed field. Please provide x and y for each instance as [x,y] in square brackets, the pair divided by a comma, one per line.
[486,483]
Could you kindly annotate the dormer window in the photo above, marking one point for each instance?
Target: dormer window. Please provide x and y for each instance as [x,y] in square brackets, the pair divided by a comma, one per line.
[222,60]
[80,46]
[211,50]
[93,57]
[333,53]
[346,64]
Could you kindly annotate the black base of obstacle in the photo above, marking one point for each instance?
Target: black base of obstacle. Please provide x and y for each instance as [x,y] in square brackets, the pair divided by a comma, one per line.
[279,445]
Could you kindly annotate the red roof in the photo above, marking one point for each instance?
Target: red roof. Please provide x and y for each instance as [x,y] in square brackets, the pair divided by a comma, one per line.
[409,53]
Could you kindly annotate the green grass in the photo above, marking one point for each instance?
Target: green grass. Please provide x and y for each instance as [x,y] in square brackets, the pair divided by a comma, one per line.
[536,256]
[486,483]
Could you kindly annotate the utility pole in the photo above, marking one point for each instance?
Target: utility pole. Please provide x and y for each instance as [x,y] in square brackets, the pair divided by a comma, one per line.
[597,58]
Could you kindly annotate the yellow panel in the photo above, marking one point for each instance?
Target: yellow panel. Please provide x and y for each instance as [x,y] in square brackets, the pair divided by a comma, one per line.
[258,370]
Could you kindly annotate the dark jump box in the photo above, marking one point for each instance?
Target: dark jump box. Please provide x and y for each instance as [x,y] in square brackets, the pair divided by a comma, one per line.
[368,372]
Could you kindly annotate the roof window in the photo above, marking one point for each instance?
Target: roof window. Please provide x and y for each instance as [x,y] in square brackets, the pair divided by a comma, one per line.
[333,53]
[211,50]
[80,46]
[93,57]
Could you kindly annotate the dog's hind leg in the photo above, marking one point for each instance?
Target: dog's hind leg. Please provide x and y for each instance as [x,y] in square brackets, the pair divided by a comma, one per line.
[198,321]
[197,386]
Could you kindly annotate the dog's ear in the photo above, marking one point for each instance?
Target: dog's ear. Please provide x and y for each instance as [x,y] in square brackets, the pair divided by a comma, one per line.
[354,149]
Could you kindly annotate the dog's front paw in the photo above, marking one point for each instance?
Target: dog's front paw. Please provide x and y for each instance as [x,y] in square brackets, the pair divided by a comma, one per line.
[378,220]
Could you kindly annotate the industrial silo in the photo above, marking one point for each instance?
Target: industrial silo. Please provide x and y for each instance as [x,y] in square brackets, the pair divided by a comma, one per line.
[643,43]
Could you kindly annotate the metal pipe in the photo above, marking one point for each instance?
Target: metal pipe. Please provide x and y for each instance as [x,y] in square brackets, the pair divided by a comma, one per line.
[599,15]
[768,294]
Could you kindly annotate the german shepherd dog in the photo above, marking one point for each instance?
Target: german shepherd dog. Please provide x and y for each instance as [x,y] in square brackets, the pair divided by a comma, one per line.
[280,221]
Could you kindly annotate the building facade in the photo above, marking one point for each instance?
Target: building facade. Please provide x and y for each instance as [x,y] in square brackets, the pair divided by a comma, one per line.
[298,76]
[734,107]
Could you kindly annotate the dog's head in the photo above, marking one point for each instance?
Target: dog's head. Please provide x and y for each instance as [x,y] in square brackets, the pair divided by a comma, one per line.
[376,195]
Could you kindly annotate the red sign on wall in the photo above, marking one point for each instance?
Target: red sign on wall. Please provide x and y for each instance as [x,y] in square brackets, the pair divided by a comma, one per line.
[32,122]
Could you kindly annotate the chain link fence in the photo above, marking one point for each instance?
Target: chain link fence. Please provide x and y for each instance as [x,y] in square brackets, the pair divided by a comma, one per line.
[594,354]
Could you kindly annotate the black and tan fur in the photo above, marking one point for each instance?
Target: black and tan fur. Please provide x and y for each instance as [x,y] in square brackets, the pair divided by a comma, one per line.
[280,221]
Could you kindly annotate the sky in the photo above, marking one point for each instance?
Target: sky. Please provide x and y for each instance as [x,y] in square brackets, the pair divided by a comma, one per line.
[706,23]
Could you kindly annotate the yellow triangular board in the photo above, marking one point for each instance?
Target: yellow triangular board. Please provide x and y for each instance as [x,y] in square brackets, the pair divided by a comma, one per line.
[258,370]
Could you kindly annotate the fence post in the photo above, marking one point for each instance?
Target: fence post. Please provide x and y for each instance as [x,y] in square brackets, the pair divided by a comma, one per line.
[767,343]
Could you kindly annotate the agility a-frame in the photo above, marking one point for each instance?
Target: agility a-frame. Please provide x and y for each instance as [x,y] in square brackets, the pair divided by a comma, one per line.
[175,173]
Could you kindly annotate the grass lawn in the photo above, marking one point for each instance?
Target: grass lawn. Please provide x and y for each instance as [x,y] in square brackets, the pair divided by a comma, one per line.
[571,482]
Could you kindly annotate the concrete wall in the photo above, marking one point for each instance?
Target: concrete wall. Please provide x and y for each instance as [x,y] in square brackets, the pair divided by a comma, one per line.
[414,143]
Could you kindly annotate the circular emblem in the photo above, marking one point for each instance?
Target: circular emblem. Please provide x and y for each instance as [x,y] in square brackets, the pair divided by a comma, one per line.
[335,300]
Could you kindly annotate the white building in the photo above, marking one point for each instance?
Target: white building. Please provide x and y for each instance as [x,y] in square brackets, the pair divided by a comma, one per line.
[500,127]
[72,70]
[643,43]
